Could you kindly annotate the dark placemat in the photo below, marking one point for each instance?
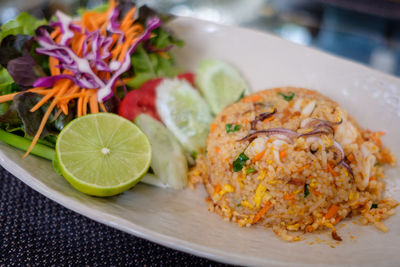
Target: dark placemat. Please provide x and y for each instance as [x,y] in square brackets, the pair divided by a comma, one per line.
[35,230]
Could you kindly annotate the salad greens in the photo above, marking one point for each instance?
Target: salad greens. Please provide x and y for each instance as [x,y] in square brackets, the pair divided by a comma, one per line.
[23,24]
[113,58]
[25,57]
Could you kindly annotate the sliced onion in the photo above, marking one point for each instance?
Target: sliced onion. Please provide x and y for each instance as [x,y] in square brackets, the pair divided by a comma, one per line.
[261,117]
[338,147]
[106,92]
[348,168]
[280,132]
[83,74]
[318,131]
[314,123]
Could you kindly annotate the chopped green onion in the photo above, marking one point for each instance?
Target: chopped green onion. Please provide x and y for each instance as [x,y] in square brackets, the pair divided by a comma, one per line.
[288,97]
[239,162]
[194,154]
[230,128]
[238,205]
[374,206]
[378,164]
[306,191]
[250,170]
[241,95]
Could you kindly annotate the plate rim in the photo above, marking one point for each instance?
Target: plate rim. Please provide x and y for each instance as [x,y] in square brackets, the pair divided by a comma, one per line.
[151,235]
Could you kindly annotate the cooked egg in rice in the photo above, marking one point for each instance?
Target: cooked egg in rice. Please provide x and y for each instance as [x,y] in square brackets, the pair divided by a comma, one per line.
[294,160]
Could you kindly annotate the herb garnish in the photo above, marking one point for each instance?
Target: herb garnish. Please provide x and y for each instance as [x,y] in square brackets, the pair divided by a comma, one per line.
[241,96]
[306,191]
[288,97]
[230,128]
[250,170]
[374,206]
[239,162]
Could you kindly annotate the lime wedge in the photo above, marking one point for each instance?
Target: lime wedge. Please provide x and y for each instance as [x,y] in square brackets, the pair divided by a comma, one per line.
[102,154]
[184,112]
[168,161]
[220,83]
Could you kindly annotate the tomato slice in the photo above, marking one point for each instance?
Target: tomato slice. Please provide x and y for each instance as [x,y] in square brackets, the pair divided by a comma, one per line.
[188,76]
[143,100]
[140,101]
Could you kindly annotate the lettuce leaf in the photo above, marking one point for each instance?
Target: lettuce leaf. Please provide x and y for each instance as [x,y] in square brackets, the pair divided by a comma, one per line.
[31,120]
[17,55]
[23,24]
[153,59]
[7,86]
[99,8]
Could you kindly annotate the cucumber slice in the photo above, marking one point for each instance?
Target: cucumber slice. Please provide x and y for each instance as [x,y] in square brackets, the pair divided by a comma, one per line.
[168,162]
[184,112]
[220,83]
[154,180]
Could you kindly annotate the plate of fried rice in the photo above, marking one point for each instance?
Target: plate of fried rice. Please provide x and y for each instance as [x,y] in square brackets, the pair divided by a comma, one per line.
[309,178]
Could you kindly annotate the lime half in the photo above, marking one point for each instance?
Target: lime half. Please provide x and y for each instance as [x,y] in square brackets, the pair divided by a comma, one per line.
[220,83]
[102,154]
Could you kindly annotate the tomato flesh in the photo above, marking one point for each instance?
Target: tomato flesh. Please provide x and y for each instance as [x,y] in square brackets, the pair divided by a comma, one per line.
[143,100]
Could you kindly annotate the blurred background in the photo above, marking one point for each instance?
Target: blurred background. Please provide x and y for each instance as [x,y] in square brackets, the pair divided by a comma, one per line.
[366,31]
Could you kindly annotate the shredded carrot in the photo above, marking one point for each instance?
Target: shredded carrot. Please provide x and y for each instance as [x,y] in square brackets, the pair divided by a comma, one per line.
[64,108]
[213,127]
[330,169]
[217,149]
[283,154]
[57,115]
[269,119]
[351,158]
[64,91]
[55,33]
[128,17]
[163,54]
[337,220]
[44,99]
[303,168]
[259,155]
[332,211]
[103,108]
[315,192]
[94,107]
[85,104]
[253,98]
[9,97]
[53,62]
[79,104]
[376,138]
[288,196]
[261,212]
[372,178]
[45,117]
[217,189]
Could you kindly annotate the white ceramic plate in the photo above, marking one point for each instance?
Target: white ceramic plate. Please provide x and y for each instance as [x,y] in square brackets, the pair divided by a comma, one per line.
[180,220]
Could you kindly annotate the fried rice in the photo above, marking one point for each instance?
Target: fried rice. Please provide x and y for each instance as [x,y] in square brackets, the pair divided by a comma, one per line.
[293,160]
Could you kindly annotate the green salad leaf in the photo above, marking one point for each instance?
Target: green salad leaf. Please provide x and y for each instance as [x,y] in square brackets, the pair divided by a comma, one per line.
[152,59]
[99,8]
[25,101]
[23,24]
